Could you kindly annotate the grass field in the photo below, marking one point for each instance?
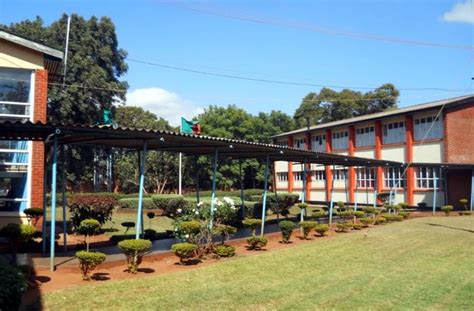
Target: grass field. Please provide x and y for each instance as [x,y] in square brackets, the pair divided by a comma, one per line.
[425,263]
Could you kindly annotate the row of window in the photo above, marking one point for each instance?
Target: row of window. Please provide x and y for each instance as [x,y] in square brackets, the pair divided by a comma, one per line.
[424,128]
[425,177]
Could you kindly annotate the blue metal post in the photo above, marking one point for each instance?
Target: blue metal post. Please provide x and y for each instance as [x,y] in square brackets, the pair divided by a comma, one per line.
[435,185]
[213,195]
[45,204]
[241,189]
[264,204]
[140,193]
[472,190]
[63,197]
[53,203]
[331,204]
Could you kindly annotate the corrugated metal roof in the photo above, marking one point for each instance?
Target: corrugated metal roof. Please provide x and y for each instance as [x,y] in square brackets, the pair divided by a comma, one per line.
[39,47]
[384,114]
[188,144]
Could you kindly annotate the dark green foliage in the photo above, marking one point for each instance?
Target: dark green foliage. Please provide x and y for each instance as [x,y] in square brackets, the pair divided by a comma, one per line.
[252,224]
[248,193]
[95,207]
[151,234]
[88,261]
[134,250]
[345,215]
[344,226]
[170,203]
[190,228]
[463,202]
[319,214]
[128,225]
[322,229]
[447,209]
[357,226]
[307,226]
[17,235]
[88,227]
[286,227]
[150,215]
[224,231]
[224,251]
[33,214]
[256,242]
[380,220]
[12,287]
[370,210]
[132,203]
[403,205]
[404,214]
[184,251]
[366,221]
[358,214]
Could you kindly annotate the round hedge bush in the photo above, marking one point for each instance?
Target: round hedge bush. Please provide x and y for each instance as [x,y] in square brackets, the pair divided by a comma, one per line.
[134,250]
[307,226]
[88,261]
[252,223]
[322,229]
[286,227]
[191,227]
[257,242]
[184,251]
[447,209]
[225,250]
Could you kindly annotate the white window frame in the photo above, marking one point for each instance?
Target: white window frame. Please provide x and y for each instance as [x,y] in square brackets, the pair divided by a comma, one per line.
[421,126]
[28,105]
[393,176]
[424,178]
[298,176]
[318,175]
[318,143]
[365,177]
[365,136]
[340,140]
[393,132]
[282,176]
[339,174]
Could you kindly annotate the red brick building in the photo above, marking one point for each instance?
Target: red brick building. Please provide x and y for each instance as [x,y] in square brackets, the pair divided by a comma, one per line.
[25,68]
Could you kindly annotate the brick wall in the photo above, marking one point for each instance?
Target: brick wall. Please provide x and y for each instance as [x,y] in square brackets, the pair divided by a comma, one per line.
[459,134]
[37,155]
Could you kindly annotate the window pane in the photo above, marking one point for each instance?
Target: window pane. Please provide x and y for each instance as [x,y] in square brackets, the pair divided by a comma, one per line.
[15,85]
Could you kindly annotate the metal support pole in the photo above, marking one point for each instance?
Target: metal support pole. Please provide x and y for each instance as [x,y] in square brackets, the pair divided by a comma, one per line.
[356,188]
[331,204]
[264,204]
[395,186]
[45,203]
[435,185]
[197,179]
[63,198]
[375,188]
[180,173]
[276,192]
[140,193]
[53,203]
[303,193]
[345,187]
[472,191]
[213,195]
[241,189]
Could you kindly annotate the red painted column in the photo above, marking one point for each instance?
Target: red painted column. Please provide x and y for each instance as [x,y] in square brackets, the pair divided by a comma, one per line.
[410,173]
[328,167]
[378,154]
[351,170]
[290,167]
[308,169]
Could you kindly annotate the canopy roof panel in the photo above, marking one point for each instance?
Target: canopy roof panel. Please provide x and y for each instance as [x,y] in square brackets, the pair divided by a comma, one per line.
[134,139]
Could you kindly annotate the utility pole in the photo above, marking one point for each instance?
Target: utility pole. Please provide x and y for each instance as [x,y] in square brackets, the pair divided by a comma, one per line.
[66,48]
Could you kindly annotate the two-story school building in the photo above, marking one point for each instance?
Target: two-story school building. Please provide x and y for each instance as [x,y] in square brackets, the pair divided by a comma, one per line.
[25,66]
[435,133]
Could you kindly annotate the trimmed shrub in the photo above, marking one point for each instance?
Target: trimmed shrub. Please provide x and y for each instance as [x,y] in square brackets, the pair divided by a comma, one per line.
[88,261]
[380,221]
[357,226]
[344,226]
[345,215]
[257,242]
[132,203]
[447,209]
[322,229]
[128,225]
[169,203]
[99,207]
[358,214]
[33,215]
[463,203]
[184,251]
[370,210]
[252,224]
[12,287]
[150,216]
[134,250]
[225,231]
[367,221]
[404,214]
[87,228]
[319,214]
[17,235]
[403,205]
[191,227]
[224,251]
[307,226]
[286,227]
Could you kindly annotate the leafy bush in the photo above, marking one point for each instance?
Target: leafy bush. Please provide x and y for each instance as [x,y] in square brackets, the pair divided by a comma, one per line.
[225,211]
[225,250]
[99,207]
[128,225]
[307,227]
[12,287]
[225,231]
[190,227]
[447,209]
[380,220]
[87,228]
[344,226]
[345,215]
[184,251]
[358,214]
[257,242]
[370,210]
[463,203]
[403,205]
[17,235]
[132,203]
[235,193]
[88,261]
[404,214]
[322,229]
[356,226]
[134,250]
[170,203]
[319,214]
[252,224]
[33,215]
[286,227]
[366,221]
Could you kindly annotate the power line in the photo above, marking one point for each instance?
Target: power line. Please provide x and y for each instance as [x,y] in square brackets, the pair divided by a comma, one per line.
[282,82]
[317,28]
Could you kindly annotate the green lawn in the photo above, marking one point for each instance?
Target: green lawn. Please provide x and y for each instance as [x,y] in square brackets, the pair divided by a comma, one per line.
[425,263]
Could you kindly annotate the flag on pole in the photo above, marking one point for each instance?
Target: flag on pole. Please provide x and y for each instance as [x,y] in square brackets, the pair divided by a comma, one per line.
[190,127]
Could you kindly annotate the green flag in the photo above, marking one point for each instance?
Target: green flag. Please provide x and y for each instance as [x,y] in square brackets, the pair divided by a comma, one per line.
[186,126]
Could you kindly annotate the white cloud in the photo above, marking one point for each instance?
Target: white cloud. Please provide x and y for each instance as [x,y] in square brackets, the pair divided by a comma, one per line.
[461,13]
[163,103]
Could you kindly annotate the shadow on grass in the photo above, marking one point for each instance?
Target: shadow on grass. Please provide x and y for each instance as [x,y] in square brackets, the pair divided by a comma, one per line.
[449,227]
[101,276]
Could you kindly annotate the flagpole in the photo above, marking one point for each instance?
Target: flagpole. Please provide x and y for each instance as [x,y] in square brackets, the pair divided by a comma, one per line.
[180,161]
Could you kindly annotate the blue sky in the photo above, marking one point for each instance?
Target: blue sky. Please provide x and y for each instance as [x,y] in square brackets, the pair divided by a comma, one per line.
[285,46]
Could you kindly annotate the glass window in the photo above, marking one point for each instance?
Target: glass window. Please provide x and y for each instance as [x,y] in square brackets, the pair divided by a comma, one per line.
[393,133]
[13,191]
[339,174]
[300,143]
[15,92]
[340,140]
[365,177]
[429,127]
[365,136]
[318,143]
[282,176]
[319,175]
[393,177]
[425,176]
